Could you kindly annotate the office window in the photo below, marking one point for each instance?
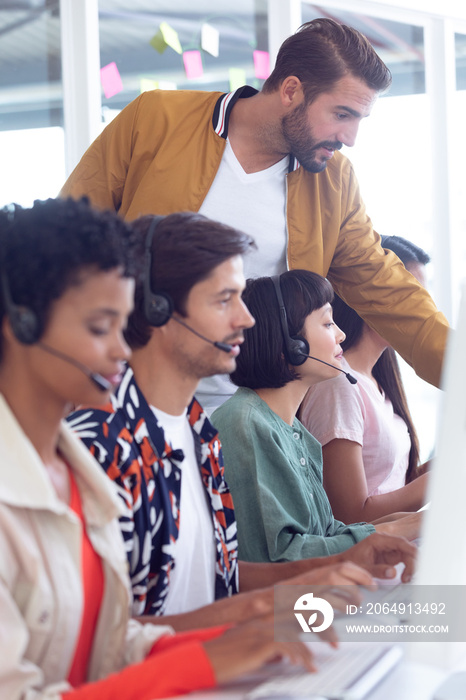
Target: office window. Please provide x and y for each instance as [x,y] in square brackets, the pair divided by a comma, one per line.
[31,108]
[186,38]
[460,54]
[394,140]
[458,150]
[400,45]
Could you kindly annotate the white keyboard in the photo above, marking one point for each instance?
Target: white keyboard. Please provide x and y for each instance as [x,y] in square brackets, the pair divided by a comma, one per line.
[346,674]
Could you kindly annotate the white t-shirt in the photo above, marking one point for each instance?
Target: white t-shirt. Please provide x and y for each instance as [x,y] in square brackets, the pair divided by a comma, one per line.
[360,413]
[256,204]
[192,581]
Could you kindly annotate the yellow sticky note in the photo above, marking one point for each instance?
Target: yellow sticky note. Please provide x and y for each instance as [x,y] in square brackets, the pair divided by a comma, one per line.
[237,78]
[158,42]
[166,36]
[171,37]
[147,84]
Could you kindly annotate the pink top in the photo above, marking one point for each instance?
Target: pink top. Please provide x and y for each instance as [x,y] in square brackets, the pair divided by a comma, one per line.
[360,413]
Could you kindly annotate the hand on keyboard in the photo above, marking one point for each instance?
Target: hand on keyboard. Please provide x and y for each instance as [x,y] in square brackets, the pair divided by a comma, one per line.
[380,553]
[247,647]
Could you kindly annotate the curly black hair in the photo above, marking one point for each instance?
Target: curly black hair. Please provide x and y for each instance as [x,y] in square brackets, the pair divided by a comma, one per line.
[44,248]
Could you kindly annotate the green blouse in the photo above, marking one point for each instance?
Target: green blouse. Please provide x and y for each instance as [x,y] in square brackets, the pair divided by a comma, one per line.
[274,472]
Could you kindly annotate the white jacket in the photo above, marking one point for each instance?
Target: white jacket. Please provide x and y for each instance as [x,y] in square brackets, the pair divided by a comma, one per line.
[40,571]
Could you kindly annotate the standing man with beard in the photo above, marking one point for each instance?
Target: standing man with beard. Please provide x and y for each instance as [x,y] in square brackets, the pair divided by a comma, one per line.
[268,163]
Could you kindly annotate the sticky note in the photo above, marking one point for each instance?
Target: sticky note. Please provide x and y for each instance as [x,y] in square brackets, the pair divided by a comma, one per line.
[158,42]
[210,39]
[237,77]
[110,80]
[171,37]
[193,64]
[167,85]
[261,64]
[147,84]
[166,36]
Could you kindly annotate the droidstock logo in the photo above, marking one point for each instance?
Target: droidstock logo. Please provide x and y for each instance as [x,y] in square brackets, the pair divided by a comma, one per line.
[310,604]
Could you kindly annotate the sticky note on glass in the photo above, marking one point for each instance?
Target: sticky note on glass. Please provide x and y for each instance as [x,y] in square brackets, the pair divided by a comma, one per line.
[167,85]
[148,84]
[210,39]
[193,64]
[166,36]
[110,80]
[237,77]
[261,64]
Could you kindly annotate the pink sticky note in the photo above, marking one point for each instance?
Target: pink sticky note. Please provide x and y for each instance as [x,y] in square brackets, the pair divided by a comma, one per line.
[261,64]
[110,79]
[193,64]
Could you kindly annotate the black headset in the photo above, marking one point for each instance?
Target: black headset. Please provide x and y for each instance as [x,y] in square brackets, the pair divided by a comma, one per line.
[24,322]
[296,347]
[158,306]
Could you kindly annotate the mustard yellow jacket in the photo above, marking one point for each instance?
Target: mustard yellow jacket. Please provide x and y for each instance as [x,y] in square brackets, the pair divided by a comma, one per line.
[161,154]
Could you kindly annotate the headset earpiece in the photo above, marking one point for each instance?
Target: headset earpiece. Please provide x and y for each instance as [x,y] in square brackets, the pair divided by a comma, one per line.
[297,350]
[24,321]
[296,347]
[158,306]
[24,324]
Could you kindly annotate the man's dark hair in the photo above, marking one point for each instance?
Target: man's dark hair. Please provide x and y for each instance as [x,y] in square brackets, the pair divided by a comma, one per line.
[320,53]
[186,248]
[261,363]
[406,250]
[44,248]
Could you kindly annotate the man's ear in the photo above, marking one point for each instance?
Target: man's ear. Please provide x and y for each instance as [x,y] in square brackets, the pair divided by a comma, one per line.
[291,91]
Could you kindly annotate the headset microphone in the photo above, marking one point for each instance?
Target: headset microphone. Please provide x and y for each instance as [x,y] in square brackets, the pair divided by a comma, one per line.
[99,382]
[349,377]
[225,347]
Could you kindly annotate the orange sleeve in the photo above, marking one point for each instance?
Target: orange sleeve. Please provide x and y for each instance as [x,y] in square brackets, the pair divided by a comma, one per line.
[175,671]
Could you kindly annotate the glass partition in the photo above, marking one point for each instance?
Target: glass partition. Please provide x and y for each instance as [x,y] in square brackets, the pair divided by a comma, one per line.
[457,181]
[206,45]
[31,105]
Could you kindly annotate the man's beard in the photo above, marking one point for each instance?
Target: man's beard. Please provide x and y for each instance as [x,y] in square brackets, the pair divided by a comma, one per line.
[301,144]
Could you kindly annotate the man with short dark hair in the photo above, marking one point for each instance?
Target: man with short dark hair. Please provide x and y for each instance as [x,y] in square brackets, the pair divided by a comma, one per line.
[268,163]
[156,443]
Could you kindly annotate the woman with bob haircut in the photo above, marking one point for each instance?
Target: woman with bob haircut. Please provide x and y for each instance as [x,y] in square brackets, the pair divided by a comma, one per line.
[369,442]
[273,465]
[66,290]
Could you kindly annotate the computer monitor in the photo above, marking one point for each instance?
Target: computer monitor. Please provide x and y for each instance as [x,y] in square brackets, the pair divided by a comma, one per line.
[442,555]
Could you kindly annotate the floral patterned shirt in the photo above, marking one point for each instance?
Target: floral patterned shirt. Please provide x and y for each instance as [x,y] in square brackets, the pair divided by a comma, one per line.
[127,441]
